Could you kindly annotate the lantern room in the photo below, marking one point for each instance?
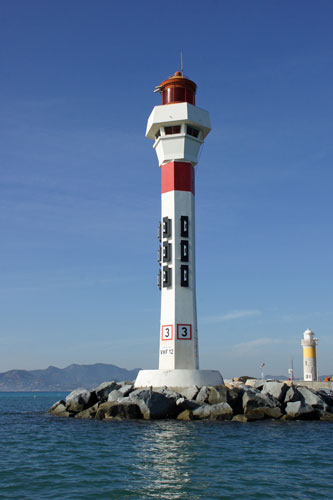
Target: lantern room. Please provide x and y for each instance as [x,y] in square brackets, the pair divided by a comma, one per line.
[177,88]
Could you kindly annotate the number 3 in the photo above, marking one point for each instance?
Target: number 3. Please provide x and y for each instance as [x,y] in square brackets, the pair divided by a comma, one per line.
[184,332]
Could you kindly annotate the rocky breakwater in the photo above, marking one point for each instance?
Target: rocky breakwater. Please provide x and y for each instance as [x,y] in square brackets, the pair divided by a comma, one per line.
[235,401]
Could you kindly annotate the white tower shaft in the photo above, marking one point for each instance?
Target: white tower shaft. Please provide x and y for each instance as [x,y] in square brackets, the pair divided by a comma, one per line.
[178,334]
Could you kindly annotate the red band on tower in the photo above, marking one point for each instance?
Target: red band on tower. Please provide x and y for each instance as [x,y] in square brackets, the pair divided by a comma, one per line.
[177,176]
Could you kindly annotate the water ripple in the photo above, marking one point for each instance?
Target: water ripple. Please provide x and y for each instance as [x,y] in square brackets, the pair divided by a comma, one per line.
[43,457]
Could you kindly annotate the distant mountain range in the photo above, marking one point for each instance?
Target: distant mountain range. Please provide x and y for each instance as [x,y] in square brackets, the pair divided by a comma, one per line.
[63,379]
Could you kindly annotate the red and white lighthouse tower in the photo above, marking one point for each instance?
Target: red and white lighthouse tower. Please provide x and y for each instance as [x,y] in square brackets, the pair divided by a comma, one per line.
[178,129]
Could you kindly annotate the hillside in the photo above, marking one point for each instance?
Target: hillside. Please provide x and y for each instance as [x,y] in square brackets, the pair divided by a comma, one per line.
[63,379]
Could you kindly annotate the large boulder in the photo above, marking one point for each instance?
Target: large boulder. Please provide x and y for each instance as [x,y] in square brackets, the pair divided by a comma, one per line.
[59,409]
[79,400]
[275,389]
[310,397]
[217,395]
[170,393]
[257,405]
[255,383]
[115,395]
[326,416]
[185,415]
[292,395]
[88,413]
[255,399]
[189,392]
[300,410]
[104,389]
[154,405]
[186,404]
[327,397]
[220,411]
[235,399]
[212,395]
[118,411]
[240,418]
[203,394]
[125,389]
[57,403]
[263,412]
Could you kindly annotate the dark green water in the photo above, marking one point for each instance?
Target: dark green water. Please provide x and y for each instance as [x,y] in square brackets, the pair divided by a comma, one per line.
[44,457]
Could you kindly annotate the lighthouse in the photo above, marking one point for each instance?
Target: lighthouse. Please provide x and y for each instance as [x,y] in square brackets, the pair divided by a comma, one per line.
[309,344]
[178,128]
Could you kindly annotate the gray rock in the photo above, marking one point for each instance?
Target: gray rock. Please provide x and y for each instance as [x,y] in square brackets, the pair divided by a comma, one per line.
[239,418]
[189,392]
[273,412]
[115,395]
[203,395]
[104,389]
[263,412]
[170,393]
[126,389]
[292,395]
[217,395]
[257,405]
[88,413]
[275,389]
[235,399]
[327,397]
[258,384]
[57,403]
[220,411]
[326,416]
[59,410]
[212,395]
[126,399]
[186,404]
[79,400]
[118,411]
[154,405]
[185,415]
[300,410]
[254,399]
[312,398]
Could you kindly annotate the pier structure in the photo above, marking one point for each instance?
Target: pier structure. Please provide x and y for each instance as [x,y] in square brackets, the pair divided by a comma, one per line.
[309,344]
[178,128]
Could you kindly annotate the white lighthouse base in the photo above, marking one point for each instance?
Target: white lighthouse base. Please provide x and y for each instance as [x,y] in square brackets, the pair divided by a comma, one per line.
[178,378]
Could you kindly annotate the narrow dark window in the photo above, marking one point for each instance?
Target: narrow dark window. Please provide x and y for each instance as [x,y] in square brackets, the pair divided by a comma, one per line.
[174,129]
[166,227]
[160,254]
[184,226]
[166,251]
[194,132]
[166,276]
[184,250]
[159,233]
[159,284]
[184,275]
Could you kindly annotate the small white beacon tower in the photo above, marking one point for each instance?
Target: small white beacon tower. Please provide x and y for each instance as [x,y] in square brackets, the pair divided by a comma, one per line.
[309,344]
[178,129]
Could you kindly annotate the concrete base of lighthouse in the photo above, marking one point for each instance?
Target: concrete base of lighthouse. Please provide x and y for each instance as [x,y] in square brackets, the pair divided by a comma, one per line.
[178,378]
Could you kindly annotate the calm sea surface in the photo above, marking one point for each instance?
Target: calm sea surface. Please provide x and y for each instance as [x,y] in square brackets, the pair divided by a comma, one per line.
[44,457]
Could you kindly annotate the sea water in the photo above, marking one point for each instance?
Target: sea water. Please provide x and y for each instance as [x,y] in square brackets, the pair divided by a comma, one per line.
[47,457]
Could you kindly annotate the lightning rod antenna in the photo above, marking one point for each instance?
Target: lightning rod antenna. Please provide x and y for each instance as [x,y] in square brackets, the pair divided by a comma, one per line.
[181,62]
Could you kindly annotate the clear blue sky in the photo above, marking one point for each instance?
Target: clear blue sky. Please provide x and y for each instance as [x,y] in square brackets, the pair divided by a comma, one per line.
[80,184]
